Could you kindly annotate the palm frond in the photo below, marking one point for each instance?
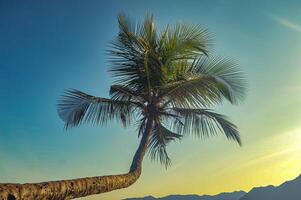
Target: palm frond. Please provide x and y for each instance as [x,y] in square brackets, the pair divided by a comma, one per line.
[183,41]
[159,139]
[77,107]
[124,93]
[149,32]
[205,82]
[204,123]
[127,53]
[229,78]
[192,90]
[142,126]
[133,57]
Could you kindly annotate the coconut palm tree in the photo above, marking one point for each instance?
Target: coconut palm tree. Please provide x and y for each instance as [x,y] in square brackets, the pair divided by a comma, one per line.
[166,83]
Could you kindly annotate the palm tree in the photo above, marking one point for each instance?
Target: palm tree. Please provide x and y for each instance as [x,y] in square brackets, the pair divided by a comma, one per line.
[165,82]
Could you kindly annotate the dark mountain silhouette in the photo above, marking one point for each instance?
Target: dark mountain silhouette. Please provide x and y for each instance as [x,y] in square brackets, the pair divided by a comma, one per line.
[290,190]
[222,196]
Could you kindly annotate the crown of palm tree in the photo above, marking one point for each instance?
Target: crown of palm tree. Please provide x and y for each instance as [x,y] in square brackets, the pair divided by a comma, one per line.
[164,79]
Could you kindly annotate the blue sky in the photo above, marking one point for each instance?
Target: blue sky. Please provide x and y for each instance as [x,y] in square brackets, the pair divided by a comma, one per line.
[47,46]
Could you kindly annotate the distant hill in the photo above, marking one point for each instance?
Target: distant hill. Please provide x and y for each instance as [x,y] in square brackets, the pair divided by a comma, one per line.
[290,190]
[222,196]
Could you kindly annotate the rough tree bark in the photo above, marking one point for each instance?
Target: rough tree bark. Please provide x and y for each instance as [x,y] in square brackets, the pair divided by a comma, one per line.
[75,188]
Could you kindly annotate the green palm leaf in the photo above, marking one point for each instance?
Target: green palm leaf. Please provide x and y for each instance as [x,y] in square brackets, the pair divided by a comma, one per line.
[226,73]
[205,82]
[77,107]
[159,139]
[204,123]
[183,41]
[124,93]
[133,57]
[194,90]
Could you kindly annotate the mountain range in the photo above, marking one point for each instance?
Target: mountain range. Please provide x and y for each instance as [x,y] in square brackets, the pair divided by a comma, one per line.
[290,190]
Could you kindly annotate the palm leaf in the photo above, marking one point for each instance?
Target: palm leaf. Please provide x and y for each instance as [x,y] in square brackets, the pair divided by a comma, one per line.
[183,41]
[226,73]
[204,123]
[77,107]
[193,90]
[133,57]
[124,93]
[159,139]
[205,82]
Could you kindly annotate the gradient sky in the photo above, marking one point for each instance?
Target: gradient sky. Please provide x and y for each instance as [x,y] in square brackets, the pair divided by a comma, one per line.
[47,46]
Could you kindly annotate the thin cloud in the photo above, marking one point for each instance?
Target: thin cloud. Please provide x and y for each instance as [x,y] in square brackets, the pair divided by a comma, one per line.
[286,23]
[291,138]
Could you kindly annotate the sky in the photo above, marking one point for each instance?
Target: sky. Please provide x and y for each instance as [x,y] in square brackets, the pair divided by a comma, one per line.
[48,46]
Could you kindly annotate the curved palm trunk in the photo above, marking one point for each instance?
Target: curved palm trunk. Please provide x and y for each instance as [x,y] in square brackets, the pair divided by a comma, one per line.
[69,189]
